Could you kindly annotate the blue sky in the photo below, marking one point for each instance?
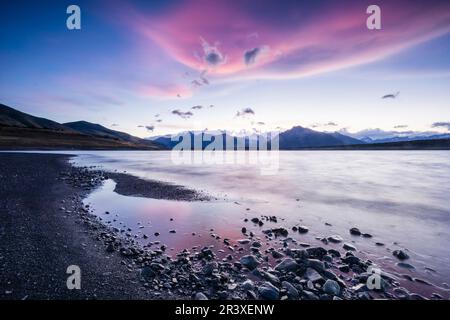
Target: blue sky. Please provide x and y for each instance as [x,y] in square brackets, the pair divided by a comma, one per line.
[313,64]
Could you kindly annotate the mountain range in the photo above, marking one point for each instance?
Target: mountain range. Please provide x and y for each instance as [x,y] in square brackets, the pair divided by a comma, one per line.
[19,130]
[292,139]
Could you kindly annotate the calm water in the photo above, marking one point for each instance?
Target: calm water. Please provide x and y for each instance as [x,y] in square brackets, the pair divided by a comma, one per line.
[400,197]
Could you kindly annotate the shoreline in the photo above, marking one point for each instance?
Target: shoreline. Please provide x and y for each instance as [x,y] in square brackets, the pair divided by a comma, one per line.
[148,273]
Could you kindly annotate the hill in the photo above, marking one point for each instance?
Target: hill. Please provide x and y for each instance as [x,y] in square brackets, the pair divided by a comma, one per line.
[19,130]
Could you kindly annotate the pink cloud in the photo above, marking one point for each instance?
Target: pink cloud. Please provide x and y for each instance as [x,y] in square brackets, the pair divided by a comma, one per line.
[165,91]
[298,39]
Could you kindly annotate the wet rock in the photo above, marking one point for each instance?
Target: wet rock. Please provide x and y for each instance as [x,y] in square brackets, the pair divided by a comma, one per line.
[302,229]
[348,246]
[400,254]
[249,261]
[156,234]
[248,285]
[343,268]
[335,239]
[380,244]
[243,241]
[351,260]
[401,293]
[209,268]
[200,296]
[255,220]
[172,231]
[416,296]
[271,278]
[276,254]
[422,281]
[308,295]
[316,252]
[355,232]
[331,287]
[313,275]
[287,265]
[277,232]
[244,230]
[334,253]
[256,244]
[405,265]
[367,235]
[292,292]
[316,264]
[269,292]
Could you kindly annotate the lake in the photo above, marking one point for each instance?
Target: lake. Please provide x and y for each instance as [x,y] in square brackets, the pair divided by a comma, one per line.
[401,198]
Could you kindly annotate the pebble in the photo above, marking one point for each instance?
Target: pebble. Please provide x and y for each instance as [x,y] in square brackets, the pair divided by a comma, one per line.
[302,229]
[348,246]
[313,275]
[291,290]
[287,265]
[200,296]
[331,287]
[355,232]
[249,261]
[335,239]
[400,254]
[269,292]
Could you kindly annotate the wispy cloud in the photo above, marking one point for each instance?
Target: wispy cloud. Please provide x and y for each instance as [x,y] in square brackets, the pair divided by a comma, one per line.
[184,115]
[334,39]
[244,112]
[251,55]
[441,125]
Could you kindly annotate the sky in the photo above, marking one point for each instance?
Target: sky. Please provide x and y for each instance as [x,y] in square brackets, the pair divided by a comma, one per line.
[157,67]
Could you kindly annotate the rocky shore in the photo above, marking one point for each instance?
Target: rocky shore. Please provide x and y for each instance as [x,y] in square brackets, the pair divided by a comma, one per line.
[270,265]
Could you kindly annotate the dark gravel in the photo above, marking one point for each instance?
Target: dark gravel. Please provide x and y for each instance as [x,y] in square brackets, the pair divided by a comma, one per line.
[38,241]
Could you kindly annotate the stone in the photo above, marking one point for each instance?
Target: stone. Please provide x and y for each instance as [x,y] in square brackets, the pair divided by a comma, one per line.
[405,265]
[316,252]
[335,239]
[308,295]
[343,268]
[276,254]
[256,244]
[269,292]
[209,268]
[355,232]
[331,287]
[302,229]
[292,292]
[249,261]
[287,265]
[312,275]
[400,254]
[348,246]
[248,285]
[200,296]
[271,278]
[316,264]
